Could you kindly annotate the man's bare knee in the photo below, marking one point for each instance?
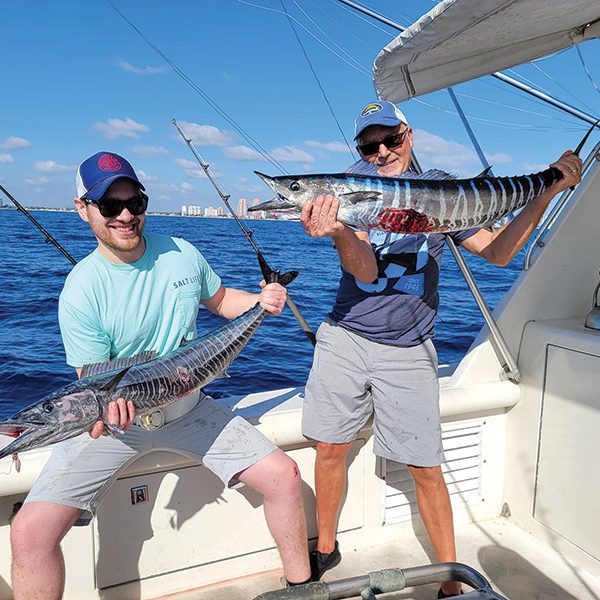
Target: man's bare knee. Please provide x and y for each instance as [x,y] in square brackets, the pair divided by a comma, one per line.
[332,452]
[39,527]
[427,476]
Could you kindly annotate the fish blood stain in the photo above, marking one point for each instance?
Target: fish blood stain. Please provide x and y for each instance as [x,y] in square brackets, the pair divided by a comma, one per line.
[183,375]
[404,220]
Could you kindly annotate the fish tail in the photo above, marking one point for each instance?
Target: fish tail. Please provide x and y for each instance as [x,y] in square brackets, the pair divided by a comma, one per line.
[272,276]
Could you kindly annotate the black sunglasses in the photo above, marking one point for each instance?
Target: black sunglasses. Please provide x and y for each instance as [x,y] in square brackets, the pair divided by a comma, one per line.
[113,207]
[391,141]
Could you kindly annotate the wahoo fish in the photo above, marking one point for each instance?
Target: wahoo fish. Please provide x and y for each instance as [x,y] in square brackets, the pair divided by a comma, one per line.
[150,382]
[432,203]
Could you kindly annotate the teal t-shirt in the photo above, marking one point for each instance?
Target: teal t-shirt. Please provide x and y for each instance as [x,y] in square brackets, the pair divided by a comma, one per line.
[109,311]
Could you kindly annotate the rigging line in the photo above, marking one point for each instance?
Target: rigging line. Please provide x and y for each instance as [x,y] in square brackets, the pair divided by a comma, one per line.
[562,87]
[340,25]
[501,124]
[515,108]
[265,268]
[320,30]
[213,104]
[362,70]
[364,19]
[586,69]
[352,154]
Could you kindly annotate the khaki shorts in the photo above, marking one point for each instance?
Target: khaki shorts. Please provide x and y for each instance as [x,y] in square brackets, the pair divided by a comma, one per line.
[353,378]
[80,470]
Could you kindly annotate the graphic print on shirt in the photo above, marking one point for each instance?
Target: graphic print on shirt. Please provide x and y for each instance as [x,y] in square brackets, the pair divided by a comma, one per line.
[401,259]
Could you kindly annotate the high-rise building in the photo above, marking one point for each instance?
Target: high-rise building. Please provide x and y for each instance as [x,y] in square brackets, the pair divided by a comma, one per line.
[184,210]
[242,207]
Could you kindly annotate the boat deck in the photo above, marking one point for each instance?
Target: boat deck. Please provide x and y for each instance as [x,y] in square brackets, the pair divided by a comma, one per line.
[519,566]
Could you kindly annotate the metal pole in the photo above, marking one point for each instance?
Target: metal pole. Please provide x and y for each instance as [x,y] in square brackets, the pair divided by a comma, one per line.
[49,238]
[225,197]
[501,76]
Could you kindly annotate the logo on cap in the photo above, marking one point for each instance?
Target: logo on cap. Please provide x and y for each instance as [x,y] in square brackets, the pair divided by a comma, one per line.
[370,109]
[109,163]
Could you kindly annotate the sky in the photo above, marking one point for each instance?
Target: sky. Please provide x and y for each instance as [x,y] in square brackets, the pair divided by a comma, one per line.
[78,79]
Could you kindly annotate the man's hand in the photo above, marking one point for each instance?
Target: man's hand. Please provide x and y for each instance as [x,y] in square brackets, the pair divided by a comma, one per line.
[570,166]
[272,298]
[120,414]
[320,219]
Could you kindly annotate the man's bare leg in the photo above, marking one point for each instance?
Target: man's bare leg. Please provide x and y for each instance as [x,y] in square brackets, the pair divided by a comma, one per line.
[436,511]
[277,478]
[38,566]
[330,484]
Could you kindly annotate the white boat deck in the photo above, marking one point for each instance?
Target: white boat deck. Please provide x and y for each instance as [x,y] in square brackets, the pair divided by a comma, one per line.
[519,566]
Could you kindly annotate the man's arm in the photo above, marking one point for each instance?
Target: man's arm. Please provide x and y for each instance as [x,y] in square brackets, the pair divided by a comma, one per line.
[355,252]
[501,246]
[231,302]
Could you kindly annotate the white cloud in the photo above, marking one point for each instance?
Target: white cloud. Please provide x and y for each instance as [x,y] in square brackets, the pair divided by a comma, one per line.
[187,187]
[534,167]
[150,150]
[499,158]
[12,142]
[147,70]
[115,128]
[291,154]
[145,177]
[193,169]
[206,135]
[242,153]
[38,181]
[329,146]
[49,166]
[444,154]
[6,158]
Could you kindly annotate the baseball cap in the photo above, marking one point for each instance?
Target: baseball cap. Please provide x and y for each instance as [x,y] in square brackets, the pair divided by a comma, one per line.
[96,173]
[380,112]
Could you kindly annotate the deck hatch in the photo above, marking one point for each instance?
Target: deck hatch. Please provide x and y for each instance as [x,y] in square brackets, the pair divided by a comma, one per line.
[462,471]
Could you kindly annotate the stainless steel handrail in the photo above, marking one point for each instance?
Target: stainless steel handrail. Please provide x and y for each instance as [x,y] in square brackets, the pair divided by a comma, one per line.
[538,242]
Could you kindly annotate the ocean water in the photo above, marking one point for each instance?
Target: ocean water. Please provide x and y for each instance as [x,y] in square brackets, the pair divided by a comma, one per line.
[32,272]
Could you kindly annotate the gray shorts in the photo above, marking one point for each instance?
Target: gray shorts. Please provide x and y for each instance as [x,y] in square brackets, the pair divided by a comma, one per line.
[353,378]
[80,470]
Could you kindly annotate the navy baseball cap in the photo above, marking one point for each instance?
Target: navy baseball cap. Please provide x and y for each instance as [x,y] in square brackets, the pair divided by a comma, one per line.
[96,173]
[380,112]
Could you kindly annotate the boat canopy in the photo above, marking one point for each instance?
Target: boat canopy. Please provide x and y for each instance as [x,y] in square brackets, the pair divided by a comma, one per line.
[461,40]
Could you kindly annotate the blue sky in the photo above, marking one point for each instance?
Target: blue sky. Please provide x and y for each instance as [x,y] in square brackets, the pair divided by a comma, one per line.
[78,79]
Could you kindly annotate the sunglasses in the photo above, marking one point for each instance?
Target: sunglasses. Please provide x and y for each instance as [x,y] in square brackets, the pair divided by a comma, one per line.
[113,207]
[391,141]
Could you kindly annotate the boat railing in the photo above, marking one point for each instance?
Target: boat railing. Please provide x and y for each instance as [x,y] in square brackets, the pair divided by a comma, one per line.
[538,240]
[384,581]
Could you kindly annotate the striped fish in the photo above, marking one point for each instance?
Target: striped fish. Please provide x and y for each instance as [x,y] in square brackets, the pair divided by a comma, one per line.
[415,205]
[149,382]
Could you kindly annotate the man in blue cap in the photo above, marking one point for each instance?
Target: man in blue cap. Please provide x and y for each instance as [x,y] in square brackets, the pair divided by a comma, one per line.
[374,354]
[140,292]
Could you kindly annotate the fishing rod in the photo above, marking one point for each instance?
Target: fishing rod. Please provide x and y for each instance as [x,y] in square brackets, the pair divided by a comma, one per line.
[49,238]
[263,263]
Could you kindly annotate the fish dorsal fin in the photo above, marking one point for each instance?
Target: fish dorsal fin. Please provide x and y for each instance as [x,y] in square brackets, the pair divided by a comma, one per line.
[113,382]
[435,174]
[484,173]
[361,196]
[117,364]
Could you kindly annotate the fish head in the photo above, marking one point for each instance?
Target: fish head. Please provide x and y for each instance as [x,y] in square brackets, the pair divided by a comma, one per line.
[291,192]
[56,417]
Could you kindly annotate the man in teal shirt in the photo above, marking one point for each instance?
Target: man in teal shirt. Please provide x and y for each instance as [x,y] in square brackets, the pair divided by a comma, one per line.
[141,292]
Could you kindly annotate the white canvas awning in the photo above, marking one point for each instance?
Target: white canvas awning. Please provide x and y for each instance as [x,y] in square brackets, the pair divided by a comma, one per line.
[461,40]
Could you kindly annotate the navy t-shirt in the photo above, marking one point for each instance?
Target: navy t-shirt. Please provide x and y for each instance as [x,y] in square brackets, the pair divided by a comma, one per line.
[399,308]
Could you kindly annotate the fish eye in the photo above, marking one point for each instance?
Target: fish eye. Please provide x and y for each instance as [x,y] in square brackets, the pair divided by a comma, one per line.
[48,407]
[295,186]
